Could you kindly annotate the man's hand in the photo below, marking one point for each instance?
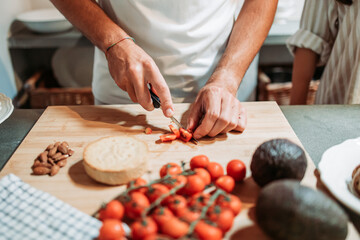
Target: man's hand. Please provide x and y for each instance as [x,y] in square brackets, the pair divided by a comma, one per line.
[216,110]
[132,69]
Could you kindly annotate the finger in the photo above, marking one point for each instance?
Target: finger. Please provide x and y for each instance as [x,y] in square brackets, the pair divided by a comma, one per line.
[234,118]
[211,115]
[158,83]
[140,87]
[131,92]
[242,120]
[194,116]
[225,117]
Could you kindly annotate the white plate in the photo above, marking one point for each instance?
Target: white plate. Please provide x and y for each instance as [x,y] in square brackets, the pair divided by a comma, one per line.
[6,107]
[336,166]
[45,20]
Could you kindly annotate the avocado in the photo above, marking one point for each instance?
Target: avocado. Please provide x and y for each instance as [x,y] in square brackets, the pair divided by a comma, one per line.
[277,159]
[286,210]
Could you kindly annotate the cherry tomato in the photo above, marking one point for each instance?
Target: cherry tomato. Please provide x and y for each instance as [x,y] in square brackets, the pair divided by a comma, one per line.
[215,170]
[143,228]
[194,185]
[111,229]
[175,131]
[185,135]
[236,169]
[189,215]
[204,174]
[162,214]
[226,183]
[168,137]
[171,169]
[205,231]
[175,181]
[176,203]
[199,200]
[136,204]
[230,201]
[175,228]
[114,209]
[199,161]
[136,183]
[148,130]
[155,191]
[223,217]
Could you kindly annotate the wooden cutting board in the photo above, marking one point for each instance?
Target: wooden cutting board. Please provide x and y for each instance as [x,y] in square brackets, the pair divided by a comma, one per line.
[79,125]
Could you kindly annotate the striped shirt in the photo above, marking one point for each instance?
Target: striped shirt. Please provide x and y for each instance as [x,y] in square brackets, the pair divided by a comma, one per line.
[332,30]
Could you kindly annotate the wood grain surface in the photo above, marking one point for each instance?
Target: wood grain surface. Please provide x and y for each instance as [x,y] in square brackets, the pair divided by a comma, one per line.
[79,125]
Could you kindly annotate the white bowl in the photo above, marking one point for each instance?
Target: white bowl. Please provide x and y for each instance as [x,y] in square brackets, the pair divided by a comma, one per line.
[45,21]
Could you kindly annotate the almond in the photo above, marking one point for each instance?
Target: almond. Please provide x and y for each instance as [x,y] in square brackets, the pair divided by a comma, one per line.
[61,163]
[65,144]
[49,147]
[41,170]
[71,152]
[54,170]
[62,157]
[43,156]
[56,155]
[52,151]
[51,161]
[63,149]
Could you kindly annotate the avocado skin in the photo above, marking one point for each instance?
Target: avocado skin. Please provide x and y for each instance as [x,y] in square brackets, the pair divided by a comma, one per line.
[278,159]
[286,210]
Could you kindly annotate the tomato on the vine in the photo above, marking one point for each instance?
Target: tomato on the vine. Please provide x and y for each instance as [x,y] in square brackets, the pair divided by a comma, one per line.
[176,203]
[114,209]
[135,204]
[194,185]
[175,180]
[136,183]
[226,183]
[199,161]
[230,201]
[143,228]
[111,229]
[175,228]
[189,215]
[155,191]
[199,200]
[161,214]
[171,169]
[236,169]
[204,174]
[215,170]
[223,217]
[205,231]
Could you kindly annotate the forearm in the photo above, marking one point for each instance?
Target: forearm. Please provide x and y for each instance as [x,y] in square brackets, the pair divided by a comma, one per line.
[248,34]
[91,20]
[304,67]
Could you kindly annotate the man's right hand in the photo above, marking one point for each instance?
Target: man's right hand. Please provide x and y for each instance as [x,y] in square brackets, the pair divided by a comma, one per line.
[132,70]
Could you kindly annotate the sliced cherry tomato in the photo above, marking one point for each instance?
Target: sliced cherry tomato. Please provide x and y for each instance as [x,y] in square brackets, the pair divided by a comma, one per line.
[194,185]
[204,174]
[171,169]
[175,131]
[143,228]
[162,214]
[175,228]
[223,217]
[148,130]
[135,204]
[230,201]
[111,229]
[168,137]
[177,204]
[175,181]
[236,169]
[215,170]
[205,231]
[155,191]
[226,183]
[199,200]
[199,161]
[189,215]
[185,135]
[136,183]
[114,209]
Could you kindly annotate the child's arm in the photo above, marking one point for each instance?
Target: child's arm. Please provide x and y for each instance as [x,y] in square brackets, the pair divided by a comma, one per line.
[305,61]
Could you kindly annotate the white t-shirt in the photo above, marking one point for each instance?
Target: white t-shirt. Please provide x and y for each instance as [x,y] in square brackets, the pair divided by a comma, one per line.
[185,38]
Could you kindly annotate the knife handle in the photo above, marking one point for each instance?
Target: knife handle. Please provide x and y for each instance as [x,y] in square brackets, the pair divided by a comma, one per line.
[155,99]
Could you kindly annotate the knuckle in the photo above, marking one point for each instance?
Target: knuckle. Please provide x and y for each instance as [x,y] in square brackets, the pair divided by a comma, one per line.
[148,64]
[213,116]
[134,69]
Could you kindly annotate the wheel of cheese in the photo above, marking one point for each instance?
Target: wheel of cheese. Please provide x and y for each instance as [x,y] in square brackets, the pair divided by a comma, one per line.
[115,160]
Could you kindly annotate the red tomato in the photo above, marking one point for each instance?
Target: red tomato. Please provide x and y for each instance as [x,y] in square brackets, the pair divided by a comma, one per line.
[189,215]
[185,135]
[175,131]
[162,214]
[236,169]
[226,183]
[215,170]
[171,169]
[111,229]
[143,228]
[136,183]
[136,204]
[168,137]
[230,201]
[199,200]
[148,130]
[223,217]
[175,228]
[176,203]
[175,181]
[194,185]
[204,174]
[199,161]
[155,191]
[114,209]
[206,231]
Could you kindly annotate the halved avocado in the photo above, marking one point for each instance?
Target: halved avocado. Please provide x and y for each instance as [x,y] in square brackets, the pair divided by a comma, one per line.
[278,159]
[285,210]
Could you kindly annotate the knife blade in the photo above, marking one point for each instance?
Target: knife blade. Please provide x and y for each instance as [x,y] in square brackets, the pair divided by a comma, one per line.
[157,104]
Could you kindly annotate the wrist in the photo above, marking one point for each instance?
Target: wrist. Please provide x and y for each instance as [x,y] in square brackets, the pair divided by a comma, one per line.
[225,79]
